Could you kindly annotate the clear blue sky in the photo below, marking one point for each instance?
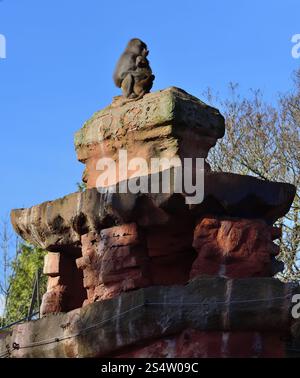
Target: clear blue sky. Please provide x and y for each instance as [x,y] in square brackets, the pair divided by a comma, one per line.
[61,55]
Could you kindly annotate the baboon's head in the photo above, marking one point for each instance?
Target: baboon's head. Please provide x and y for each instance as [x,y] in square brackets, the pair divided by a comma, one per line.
[138,47]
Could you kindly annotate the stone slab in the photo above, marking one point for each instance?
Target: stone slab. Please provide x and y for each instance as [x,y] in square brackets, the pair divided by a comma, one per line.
[58,225]
[137,317]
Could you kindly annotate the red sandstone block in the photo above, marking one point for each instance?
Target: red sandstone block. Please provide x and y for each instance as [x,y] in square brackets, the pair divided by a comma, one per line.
[89,244]
[124,235]
[166,241]
[205,231]
[241,344]
[83,262]
[233,248]
[91,277]
[176,272]
[198,344]
[102,292]
[52,264]
[118,259]
[112,289]
[89,239]
[202,267]
[90,252]
[133,273]
[52,300]
[90,296]
[273,346]
[53,282]
[193,343]
[253,344]
[87,302]
[187,344]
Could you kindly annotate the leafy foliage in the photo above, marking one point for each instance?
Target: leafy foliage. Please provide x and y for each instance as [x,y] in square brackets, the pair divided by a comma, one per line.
[24,267]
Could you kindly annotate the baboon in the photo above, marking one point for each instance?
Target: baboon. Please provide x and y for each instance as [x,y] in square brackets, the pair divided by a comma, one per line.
[133,73]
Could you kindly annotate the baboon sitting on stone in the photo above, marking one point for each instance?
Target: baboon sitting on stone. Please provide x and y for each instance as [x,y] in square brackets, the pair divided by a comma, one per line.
[133,73]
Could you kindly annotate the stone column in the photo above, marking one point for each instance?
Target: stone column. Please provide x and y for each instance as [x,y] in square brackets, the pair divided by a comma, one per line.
[163,277]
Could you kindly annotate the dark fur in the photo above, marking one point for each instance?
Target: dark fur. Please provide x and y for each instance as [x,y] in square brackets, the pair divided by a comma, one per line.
[133,73]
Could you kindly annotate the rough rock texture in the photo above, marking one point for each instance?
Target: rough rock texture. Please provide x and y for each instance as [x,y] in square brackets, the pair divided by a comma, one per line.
[129,257]
[58,225]
[160,249]
[247,308]
[234,247]
[110,253]
[192,343]
[112,262]
[169,123]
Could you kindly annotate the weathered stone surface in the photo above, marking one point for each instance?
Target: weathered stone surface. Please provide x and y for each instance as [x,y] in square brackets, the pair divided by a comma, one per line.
[113,262]
[51,264]
[58,225]
[153,244]
[173,238]
[234,248]
[111,327]
[193,343]
[165,124]
[117,250]
[128,257]
[53,300]
[169,106]
[53,282]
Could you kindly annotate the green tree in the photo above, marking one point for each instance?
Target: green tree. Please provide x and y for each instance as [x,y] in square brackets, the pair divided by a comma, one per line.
[24,266]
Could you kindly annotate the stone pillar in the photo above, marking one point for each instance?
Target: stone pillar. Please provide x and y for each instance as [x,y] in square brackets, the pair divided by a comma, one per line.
[193,271]
[53,298]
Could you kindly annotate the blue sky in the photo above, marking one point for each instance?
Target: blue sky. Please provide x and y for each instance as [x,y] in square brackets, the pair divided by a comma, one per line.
[61,55]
